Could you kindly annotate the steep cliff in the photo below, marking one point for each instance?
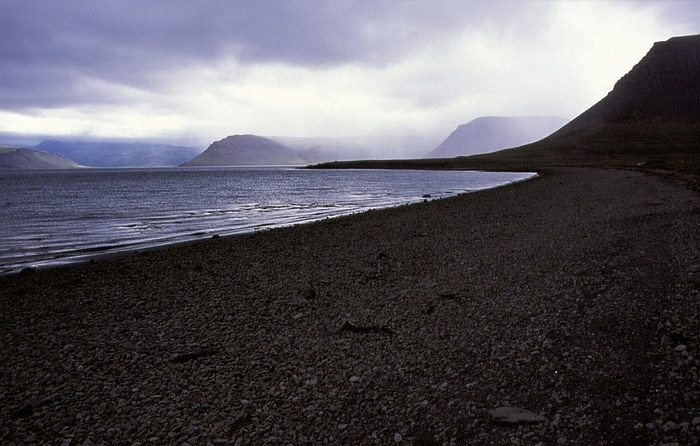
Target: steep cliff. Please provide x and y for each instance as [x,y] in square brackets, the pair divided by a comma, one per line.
[664,85]
[652,115]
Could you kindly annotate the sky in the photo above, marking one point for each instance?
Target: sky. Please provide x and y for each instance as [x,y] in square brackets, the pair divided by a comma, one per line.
[194,72]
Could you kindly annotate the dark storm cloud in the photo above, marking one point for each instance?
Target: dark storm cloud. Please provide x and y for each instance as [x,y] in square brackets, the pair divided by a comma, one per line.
[54,53]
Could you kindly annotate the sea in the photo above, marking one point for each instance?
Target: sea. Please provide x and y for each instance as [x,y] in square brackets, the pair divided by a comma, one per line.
[58,217]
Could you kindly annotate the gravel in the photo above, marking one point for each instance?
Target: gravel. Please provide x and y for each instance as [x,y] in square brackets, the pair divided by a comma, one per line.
[572,297]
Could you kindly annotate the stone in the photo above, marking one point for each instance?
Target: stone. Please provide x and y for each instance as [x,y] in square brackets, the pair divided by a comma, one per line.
[671,426]
[515,415]
[398,438]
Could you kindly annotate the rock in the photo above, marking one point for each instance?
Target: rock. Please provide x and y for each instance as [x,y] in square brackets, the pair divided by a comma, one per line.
[680,347]
[33,404]
[555,422]
[515,415]
[185,357]
[678,338]
[671,426]
[398,438]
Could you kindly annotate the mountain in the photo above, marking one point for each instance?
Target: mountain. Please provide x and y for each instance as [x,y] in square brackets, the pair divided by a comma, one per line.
[490,133]
[651,116]
[120,154]
[281,150]
[18,158]
[240,150]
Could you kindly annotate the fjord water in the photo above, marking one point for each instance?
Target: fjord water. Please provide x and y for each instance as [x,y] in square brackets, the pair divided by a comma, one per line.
[65,216]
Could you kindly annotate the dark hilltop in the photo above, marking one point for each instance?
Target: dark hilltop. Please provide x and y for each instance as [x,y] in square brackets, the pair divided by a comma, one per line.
[245,150]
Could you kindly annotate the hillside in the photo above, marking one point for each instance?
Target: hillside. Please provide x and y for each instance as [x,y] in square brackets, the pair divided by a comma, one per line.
[651,118]
[120,154]
[490,133]
[18,158]
[241,150]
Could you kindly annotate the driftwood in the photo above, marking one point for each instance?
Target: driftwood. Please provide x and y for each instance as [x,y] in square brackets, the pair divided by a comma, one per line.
[347,326]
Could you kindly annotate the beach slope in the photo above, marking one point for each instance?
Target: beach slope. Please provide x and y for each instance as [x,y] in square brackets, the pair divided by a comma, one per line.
[572,296]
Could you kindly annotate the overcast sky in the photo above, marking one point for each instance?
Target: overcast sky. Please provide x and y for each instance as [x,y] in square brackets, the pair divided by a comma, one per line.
[195,72]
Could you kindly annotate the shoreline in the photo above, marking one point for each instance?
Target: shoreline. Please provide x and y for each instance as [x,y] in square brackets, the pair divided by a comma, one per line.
[568,295]
[79,253]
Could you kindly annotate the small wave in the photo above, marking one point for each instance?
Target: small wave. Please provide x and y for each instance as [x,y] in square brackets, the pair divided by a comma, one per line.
[45,229]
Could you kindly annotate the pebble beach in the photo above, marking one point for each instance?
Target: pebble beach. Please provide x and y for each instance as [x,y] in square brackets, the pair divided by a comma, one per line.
[561,310]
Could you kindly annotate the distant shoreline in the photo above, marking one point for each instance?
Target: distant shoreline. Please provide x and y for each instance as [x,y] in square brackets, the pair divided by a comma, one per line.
[688,176]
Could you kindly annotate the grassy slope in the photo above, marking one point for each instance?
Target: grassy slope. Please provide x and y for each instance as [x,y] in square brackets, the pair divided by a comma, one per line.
[671,146]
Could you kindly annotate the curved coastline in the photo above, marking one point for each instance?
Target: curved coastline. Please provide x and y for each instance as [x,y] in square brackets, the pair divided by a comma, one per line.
[572,295]
[39,238]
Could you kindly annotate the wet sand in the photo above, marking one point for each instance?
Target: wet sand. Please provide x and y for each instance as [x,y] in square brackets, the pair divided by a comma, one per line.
[573,296]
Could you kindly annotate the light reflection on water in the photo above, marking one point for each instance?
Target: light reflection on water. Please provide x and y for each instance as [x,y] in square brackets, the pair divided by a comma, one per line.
[64,216]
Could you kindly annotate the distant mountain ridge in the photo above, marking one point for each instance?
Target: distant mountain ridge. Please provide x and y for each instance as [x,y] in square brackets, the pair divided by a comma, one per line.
[490,133]
[241,150]
[20,158]
[120,154]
